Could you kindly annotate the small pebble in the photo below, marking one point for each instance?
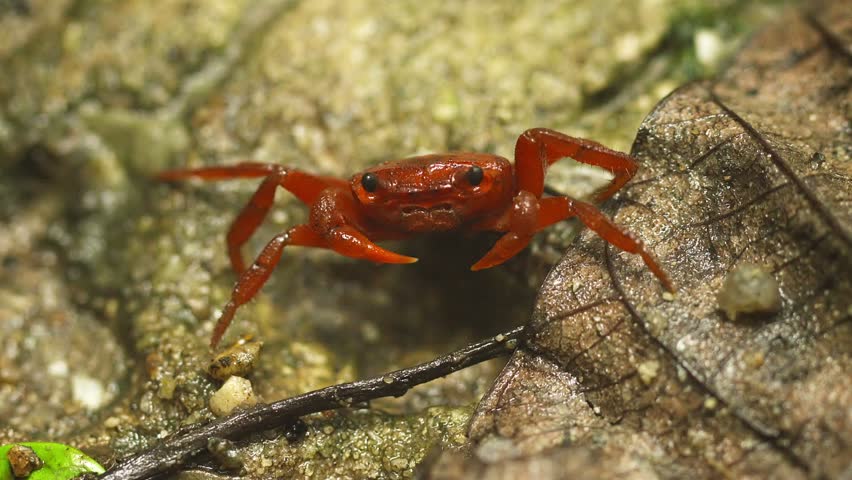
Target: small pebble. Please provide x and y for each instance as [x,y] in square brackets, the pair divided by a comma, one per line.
[749,289]
[709,47]
[239,359]
[235,392]
[166,391]
[657,323]
[59,368]
[88,392]
[648,371]
[23,460]
[225,453]
[755,360]
[295,431]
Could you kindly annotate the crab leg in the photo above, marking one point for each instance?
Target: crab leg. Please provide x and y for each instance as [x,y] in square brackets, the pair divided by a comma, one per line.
[535,150]
[252,280]
[330,227]
[520,223]
[548,211]
[304,186]
[555,209]
[558,208]
[538,148]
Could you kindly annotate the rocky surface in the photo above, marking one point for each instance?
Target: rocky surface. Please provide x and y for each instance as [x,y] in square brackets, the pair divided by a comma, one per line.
[110,282]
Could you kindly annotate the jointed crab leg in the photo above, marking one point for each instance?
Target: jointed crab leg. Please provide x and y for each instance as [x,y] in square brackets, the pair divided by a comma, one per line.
[252,280]
[520,224]
[538,148]
[345,240]
[329,227]
[304,186]
[554,209]
[535,150]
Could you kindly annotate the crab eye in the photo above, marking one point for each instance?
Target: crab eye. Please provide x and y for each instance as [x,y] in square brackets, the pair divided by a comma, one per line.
[370,182]
[474,175]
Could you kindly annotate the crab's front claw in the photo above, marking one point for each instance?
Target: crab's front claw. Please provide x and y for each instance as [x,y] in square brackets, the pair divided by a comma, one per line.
[350,242]
[506,247]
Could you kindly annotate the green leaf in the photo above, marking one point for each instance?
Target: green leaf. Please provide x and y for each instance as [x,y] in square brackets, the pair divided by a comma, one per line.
[61,462]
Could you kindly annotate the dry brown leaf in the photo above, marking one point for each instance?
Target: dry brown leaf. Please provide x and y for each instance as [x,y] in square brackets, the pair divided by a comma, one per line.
[752,169]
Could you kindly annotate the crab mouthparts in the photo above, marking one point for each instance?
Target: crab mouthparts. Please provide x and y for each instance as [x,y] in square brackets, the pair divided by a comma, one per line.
[441,207]
[440,217]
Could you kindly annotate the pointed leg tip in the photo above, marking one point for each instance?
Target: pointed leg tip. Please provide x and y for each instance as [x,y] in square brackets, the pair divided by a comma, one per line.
[669,289]
[667,282]
[399,259]
[222,324]
[215,339]
[486,262]
[480,265]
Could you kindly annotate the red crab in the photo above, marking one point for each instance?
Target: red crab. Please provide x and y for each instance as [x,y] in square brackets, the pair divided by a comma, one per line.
[429,193]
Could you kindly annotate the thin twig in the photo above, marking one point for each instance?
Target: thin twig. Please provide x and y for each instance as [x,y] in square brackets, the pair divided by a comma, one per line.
[176,451]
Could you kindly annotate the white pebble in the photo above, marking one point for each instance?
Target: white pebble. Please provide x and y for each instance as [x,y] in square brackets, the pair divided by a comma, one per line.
[708,47]
[648,371]
[235,392]
[58,368]
[87,391]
